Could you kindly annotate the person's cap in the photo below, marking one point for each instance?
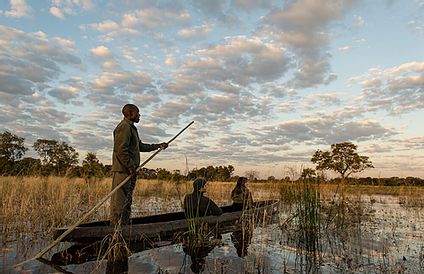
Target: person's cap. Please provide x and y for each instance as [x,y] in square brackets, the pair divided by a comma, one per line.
[199,183]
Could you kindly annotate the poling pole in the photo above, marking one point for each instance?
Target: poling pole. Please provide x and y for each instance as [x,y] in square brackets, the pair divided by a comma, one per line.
[67,232]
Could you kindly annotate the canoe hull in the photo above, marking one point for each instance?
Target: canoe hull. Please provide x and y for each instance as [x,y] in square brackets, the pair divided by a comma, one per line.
[171,226]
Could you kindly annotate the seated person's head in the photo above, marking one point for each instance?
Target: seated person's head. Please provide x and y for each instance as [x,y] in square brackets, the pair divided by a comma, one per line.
[199,185]
[241,181]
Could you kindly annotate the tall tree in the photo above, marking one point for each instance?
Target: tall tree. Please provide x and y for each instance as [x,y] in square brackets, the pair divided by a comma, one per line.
[308,173]
[342,159]
[12,147]
[91,167]
[60,156]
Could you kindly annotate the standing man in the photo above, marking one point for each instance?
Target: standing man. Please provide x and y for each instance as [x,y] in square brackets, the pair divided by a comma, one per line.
[125,160]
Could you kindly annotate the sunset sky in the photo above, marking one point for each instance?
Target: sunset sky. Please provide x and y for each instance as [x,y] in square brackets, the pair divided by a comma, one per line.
[266,82]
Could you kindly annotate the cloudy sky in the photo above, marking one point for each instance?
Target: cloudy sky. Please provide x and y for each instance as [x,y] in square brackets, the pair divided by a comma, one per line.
[266,82]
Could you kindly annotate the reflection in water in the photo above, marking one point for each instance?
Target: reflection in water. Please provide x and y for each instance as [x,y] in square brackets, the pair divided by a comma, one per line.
[241,240]
[198,252]
[116,254]
[55,266]
[117,261]
[204,238]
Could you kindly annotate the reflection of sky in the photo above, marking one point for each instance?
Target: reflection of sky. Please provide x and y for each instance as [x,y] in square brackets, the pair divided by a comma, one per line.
[391,230]
[266,82]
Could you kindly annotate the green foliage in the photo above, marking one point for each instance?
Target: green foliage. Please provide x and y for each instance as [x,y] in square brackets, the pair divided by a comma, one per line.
[57,157]
[342,159]
[11,146]
[308,173]
[91,167]
[211,173]
[12,149]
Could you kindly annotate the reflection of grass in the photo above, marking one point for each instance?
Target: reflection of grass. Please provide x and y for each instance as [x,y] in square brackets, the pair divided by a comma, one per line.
[303,199]
[320,217]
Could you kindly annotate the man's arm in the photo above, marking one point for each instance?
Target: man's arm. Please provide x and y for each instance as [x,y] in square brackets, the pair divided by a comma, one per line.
[212,208]
[150,147]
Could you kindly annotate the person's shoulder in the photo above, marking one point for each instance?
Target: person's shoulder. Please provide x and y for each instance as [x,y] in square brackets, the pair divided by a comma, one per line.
[123,125]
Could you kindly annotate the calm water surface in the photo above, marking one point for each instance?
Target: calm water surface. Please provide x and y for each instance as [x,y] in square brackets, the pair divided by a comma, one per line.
[389,241]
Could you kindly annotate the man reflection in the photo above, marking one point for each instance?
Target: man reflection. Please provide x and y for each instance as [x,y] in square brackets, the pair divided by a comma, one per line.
[117,265]
[241,240]
[198,252]
[117,259]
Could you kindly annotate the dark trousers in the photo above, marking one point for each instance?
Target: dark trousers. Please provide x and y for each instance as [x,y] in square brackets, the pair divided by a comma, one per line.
[120,204]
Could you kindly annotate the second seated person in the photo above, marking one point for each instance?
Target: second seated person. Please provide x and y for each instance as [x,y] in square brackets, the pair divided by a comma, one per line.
[241,196]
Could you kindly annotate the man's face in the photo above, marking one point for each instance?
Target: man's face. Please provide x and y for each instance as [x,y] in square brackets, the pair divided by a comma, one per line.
[134,115]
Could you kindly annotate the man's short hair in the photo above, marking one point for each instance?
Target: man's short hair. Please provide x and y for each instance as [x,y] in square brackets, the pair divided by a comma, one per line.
[127,108]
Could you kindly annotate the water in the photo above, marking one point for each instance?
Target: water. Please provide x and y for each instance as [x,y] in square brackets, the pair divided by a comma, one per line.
[388,239]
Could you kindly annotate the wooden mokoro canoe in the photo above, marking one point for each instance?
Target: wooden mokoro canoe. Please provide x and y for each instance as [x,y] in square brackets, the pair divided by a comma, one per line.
[170,226]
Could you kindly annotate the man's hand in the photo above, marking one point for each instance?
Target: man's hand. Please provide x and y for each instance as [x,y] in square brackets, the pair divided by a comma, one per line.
[133,172]
[163,145]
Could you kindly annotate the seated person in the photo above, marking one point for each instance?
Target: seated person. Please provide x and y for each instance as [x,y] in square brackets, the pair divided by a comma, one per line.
[241,196]
[197,205]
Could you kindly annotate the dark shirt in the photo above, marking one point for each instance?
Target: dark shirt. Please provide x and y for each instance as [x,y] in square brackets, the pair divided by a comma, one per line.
[127,147]
[197,205]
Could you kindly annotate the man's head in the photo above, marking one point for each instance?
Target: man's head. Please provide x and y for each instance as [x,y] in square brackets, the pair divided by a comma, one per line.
[199,185]
[131,112]
[241,181]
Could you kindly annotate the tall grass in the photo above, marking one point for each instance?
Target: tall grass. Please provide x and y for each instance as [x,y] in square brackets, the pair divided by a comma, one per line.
[317,218]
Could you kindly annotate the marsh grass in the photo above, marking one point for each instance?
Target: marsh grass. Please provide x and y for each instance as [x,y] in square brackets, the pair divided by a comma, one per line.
[320,219]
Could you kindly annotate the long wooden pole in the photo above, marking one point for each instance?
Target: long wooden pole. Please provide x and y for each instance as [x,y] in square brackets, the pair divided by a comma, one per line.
[67,232]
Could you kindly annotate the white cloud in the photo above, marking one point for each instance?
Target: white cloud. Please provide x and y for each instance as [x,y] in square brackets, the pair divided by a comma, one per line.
[154,17]
[65,42]
[31,61]
[64,93]
[324,131]
[398,89]
[105,26]
[170,61]
[101,51]
[345,48]
[70,7]
[251,4]
[110,30]
[55,11]
[238,63]
[300,26]
[321,100]
[359,21]
[18,9]
[196,32]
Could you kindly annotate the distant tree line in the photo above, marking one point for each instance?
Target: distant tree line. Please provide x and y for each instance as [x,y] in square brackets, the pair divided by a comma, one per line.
[61,159]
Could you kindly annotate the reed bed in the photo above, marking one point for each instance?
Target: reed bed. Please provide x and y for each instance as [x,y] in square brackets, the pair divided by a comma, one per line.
[38,204]
[318,220]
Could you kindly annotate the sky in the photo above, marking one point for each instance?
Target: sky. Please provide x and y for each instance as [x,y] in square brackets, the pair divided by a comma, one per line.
[267,83]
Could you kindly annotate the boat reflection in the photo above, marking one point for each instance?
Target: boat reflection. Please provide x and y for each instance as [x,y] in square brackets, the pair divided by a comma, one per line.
[205,236]
[115,253]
